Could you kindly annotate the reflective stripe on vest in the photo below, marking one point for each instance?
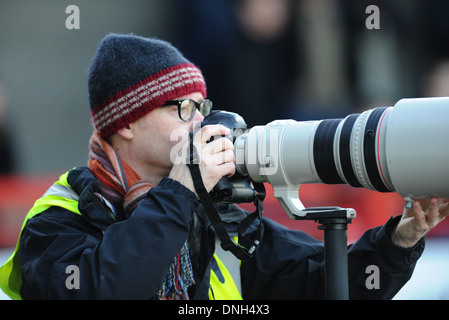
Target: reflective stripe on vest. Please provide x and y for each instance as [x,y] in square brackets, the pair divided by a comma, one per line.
[222,285]
[59,194]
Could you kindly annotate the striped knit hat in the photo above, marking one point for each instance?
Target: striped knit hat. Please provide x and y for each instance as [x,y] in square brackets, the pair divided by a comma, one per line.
[131,75]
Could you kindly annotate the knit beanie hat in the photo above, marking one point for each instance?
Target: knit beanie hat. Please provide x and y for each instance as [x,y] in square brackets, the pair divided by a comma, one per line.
[131,75]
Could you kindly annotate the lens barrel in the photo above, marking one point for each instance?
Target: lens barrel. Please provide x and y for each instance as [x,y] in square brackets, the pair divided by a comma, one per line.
[332,144]
[402,149]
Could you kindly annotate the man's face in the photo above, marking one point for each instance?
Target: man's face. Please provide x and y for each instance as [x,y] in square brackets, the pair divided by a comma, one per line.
[158,132]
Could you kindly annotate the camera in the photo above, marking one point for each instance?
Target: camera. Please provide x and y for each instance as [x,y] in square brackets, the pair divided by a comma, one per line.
[403,148]
[238,188]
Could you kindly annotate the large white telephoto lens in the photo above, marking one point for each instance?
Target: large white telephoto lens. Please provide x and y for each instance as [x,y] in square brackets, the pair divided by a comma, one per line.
[403,149]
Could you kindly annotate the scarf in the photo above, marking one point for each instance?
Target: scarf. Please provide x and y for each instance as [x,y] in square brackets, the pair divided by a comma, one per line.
[121,185]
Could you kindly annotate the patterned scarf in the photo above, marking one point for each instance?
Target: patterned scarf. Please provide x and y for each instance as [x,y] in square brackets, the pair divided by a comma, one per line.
[121,185]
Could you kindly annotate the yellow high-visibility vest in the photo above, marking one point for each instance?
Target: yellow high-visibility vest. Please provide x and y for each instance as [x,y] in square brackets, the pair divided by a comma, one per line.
[59,194]
[224,289]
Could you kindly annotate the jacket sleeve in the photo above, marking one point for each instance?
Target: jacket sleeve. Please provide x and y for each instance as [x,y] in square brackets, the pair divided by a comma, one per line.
[290,265]
[378,268]
[127,260]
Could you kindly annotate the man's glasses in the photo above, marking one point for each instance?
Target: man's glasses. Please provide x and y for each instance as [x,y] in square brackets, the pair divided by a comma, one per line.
[187,107]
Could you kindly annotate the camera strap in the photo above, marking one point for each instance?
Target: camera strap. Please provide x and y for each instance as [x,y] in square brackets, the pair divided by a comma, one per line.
[246,246]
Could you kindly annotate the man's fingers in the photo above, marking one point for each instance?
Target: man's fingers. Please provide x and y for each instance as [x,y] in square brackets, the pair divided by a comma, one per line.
[227,169]
[418,212]
[419,219]
[433,214]
[209,131]
[444,208]
[226,156]
[218,145]
[424,203]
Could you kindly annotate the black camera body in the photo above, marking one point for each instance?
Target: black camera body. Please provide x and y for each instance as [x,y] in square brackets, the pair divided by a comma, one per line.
[238,188]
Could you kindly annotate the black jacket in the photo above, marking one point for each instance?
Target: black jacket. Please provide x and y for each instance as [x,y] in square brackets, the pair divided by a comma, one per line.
[120,258]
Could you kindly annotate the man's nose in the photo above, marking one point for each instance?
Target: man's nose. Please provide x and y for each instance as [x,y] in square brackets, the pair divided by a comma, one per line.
[198,117]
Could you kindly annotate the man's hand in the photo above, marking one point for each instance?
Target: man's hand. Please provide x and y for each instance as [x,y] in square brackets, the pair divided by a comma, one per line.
[216,158]
[417,221]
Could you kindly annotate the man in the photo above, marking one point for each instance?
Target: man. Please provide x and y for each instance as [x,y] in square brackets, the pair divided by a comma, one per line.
[130,226]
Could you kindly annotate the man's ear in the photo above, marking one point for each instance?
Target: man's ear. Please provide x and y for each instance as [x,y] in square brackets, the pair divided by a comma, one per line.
[126,132]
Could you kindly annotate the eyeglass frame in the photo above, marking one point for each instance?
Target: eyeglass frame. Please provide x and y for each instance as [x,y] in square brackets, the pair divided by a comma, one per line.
[197,105]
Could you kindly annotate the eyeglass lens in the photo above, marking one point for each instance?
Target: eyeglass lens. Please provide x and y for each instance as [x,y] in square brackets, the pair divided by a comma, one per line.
[188,108]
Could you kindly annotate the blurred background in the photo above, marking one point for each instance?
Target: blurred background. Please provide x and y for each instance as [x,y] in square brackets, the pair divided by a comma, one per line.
[265,59]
